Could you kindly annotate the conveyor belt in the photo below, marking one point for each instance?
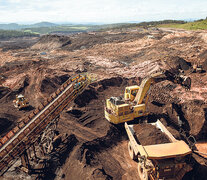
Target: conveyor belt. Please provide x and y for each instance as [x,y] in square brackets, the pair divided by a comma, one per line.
[27,132]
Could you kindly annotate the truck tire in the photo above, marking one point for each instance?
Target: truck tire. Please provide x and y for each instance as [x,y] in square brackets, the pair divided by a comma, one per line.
[142,172]
[131,151]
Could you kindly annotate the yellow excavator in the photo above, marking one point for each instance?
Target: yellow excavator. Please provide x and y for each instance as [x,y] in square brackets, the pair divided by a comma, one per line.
[118,110]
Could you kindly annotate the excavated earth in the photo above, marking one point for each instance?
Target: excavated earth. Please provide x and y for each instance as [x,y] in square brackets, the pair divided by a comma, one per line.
[95,148]
[152,136]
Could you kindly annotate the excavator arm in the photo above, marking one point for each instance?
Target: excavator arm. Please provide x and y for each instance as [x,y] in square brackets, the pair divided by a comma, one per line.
[165,75]
[143,90]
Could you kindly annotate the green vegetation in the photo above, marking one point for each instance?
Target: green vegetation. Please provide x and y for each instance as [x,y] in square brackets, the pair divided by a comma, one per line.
[5,34]
[139,25]
[155,23]
[196,25]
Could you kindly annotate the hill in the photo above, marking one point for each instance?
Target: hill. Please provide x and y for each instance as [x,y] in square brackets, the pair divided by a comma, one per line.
[139,25]
[48,27]
[11,26]
[196,25]
[15,26]
[6,34]
[42,24]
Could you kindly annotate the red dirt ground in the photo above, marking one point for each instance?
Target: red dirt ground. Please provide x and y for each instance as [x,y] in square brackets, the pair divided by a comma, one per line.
[96,149]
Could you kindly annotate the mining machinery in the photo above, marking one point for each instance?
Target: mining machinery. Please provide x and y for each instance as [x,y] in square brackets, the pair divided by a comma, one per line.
[40,126]
[21,102]
[118,110]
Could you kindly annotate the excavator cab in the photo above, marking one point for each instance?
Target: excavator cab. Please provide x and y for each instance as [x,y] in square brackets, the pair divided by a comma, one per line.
[21,102]
[130,93]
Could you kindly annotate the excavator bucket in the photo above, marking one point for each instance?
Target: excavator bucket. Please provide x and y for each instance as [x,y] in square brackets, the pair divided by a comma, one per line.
[180,78]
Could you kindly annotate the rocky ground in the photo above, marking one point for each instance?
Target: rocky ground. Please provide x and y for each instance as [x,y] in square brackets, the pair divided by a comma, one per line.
[96,149]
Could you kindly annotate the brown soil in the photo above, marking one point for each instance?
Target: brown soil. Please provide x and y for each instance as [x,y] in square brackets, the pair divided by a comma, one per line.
[148,134]
[204,57]
[49,42]
[17,43]
[96,149]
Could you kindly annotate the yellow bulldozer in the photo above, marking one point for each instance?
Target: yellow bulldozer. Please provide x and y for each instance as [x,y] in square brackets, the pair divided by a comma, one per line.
[21,102]
[118,110]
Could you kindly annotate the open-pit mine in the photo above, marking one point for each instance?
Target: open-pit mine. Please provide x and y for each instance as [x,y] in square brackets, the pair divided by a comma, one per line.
[63,133]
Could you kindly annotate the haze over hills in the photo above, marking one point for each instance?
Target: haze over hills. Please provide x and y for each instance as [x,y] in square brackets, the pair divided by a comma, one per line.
[15,26]
[18,26]
[48,27]
[18,30]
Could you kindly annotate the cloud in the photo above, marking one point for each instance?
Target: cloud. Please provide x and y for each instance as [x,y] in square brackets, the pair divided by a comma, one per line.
[99,10]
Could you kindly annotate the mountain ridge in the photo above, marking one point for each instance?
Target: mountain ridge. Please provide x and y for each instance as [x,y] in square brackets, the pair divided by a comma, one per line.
[15,26]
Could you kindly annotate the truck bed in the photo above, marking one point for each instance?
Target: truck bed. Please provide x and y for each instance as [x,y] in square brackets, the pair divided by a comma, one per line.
[158,151]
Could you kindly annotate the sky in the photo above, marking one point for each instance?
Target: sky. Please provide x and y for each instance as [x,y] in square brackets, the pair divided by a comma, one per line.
[100,11]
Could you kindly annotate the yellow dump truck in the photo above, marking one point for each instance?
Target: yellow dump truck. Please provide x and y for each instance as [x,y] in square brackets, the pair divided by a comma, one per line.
[159,161]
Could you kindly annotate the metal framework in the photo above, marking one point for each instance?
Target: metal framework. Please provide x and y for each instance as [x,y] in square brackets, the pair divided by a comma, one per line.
[40,124]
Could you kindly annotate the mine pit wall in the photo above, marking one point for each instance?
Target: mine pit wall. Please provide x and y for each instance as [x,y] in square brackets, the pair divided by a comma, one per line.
[96,87]
[166,101]
[95,156]
[193,115]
